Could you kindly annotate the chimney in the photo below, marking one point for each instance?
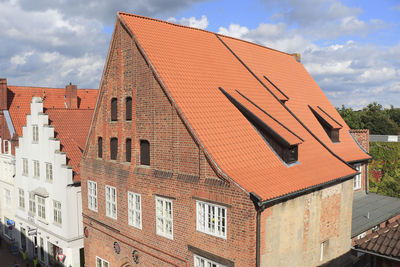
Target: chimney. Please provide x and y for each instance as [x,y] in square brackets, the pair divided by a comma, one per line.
[297,57]
[71,96]
[3,94]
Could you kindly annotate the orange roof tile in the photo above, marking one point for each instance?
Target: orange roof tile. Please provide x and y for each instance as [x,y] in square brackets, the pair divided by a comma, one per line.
[326,117]
[20,97]
[291,77]
[72,138]
[192,65]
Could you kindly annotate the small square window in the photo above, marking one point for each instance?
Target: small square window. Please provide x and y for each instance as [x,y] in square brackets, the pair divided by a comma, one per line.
[211,219]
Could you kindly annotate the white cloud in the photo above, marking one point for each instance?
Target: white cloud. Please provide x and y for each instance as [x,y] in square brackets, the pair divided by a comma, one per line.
[21,58]
[234,30]
[201,23]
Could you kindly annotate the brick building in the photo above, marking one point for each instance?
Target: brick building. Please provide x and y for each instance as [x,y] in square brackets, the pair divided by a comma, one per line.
[203,151]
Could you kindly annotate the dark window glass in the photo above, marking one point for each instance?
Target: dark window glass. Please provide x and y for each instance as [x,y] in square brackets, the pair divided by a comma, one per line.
[128,106]
[128,149]
[100,147]
[144,152]
[113,148]
[114,109]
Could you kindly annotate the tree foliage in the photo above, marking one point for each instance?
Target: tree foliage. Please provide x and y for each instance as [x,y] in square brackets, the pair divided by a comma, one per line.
[386,159]
[373,117]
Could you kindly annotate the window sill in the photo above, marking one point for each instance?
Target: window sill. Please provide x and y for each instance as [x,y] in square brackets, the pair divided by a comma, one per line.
[49,181]
[41,220]
[57,224]
[165,236]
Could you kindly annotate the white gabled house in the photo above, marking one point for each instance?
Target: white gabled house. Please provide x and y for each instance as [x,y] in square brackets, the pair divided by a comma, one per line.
[47,184]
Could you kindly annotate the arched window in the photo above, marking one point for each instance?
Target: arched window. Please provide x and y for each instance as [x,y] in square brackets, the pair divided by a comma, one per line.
[128,150]
[144,152]
[114,109]
[99,147]
[128,106]
[113,148]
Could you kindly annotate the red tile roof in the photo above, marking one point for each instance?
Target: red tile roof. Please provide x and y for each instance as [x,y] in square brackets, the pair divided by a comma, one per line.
[192,64]
[71,127]
[20,97]
[386,241]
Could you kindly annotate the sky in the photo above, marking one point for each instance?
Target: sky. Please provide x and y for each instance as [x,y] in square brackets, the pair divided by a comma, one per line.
[351,48]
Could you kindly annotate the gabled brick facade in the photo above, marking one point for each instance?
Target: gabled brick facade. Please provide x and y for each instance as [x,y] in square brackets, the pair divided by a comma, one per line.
[179,170]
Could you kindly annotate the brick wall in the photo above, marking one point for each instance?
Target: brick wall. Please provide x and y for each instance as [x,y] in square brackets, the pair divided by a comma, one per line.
[179,170]
[362,138]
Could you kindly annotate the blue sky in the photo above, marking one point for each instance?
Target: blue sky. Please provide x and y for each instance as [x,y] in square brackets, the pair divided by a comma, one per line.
[351,48]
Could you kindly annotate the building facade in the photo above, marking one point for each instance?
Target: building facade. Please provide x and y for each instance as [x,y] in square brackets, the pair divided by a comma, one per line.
[182,170]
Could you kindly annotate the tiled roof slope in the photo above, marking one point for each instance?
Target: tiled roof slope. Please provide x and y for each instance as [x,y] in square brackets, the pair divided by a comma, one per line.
[193,64]
[71,127]
[294,81]
[19,99]
[386,241]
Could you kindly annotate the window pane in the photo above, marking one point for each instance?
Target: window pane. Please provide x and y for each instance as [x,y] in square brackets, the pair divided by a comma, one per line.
[144,152]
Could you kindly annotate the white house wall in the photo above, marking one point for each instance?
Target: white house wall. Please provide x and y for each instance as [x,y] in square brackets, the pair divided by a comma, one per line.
[68,235]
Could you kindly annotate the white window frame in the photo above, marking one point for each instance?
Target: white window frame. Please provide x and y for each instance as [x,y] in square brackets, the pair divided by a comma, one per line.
[163,219]
[200,261]
[102,262]
[35,133]
[49,172]
[207,222]
[135,210]
[357,178]
[36,168]
[111,202]
[21,198]
[7,197]
[92,195]
[57,215]
[32,203]
[41,207]
[25,167]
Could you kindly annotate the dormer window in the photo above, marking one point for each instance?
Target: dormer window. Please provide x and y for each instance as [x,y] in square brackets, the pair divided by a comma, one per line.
[330,126]
[286,150]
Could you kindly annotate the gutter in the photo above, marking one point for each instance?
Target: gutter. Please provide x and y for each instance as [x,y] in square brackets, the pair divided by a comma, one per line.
[375,254]
[261,205]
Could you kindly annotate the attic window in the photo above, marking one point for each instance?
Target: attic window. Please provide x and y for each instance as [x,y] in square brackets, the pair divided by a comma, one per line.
[128,107]
[330,126]
[114,109]
[286,151]
[144,152]
[113,148]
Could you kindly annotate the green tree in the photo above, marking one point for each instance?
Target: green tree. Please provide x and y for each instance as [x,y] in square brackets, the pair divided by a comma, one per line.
[374,118]
[351,117]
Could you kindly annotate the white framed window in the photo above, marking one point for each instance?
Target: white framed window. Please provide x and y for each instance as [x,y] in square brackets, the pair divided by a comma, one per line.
[101,263]
[35,133]
[164,217]
[41,207]
[111,202]
[92,195]
[211,219]
[36,168]
[32,202]
[7,197]
[25,170]
[135,210]
[21,201]
[323,250]
[49,172]
[357,178]
[203,262]
[57,211]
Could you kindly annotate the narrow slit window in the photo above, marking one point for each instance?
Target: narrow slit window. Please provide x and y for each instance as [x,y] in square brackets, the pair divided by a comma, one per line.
[144,152]
[128,106]
[128,150]
[114,148]
[114,109]
[99,147]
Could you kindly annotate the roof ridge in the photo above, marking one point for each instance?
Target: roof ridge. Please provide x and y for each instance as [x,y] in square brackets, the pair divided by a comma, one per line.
[207,31]
[52,108]
[44,87]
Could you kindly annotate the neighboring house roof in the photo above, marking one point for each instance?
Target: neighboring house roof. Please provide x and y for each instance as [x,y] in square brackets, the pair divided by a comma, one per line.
[19,99]
[370,210]
[71,127]
[198,69]
[385,241]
